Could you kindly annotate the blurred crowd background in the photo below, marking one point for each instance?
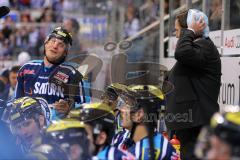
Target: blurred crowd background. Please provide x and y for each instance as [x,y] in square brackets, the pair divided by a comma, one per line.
[30,21]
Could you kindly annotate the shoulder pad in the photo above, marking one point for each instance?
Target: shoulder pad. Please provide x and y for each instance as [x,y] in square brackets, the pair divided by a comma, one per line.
[75,65]
[68,66]
[32,63]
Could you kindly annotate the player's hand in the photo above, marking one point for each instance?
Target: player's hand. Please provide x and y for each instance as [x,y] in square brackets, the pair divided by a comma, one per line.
[62,106]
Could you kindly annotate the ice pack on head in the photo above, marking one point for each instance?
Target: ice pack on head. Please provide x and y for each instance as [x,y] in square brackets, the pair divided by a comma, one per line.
[198,14]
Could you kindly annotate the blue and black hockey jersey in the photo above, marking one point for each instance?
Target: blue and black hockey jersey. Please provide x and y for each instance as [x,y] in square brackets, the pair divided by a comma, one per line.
[162,148]
[120,138]
[51,83]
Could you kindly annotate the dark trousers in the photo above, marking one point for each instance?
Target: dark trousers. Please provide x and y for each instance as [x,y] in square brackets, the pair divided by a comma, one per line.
[187,138]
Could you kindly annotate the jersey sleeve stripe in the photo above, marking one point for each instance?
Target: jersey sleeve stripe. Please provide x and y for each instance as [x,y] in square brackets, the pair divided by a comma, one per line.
[164,148]
[111,153]
[137,150]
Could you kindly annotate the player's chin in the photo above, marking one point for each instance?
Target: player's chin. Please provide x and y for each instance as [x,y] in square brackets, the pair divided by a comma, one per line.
[53,58]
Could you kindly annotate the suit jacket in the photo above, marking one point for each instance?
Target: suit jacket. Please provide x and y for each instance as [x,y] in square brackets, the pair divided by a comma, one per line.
[196,77]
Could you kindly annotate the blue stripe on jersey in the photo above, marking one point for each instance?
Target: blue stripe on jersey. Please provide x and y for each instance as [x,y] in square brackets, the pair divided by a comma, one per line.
[87,90]
[112,153]
[162,140]
[103,154]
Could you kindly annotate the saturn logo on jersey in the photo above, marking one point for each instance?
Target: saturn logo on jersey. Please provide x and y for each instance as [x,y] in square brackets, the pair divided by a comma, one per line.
[49,89]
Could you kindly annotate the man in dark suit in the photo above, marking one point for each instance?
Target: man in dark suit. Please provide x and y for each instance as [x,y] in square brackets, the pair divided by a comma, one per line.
[196,77]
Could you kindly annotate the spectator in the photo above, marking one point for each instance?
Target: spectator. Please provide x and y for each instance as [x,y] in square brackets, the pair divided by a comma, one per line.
[24,4]
[4,84]
[36,4]
[58,9]
[6,50]
[73,27]
[196,77]
[46,17]
[215,15]
[150,11]
[32,47]
[13,4]
[8,82]
[71,5]
[8,27]
[25,17]
[131,27]
[13,81]
[22,38]
[132,24]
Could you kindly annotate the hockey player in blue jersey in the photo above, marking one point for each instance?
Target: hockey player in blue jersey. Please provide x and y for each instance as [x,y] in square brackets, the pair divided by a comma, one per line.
[52,79]
[70,134]
[26,117]
[111,97]
[100,124]
[140,114]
